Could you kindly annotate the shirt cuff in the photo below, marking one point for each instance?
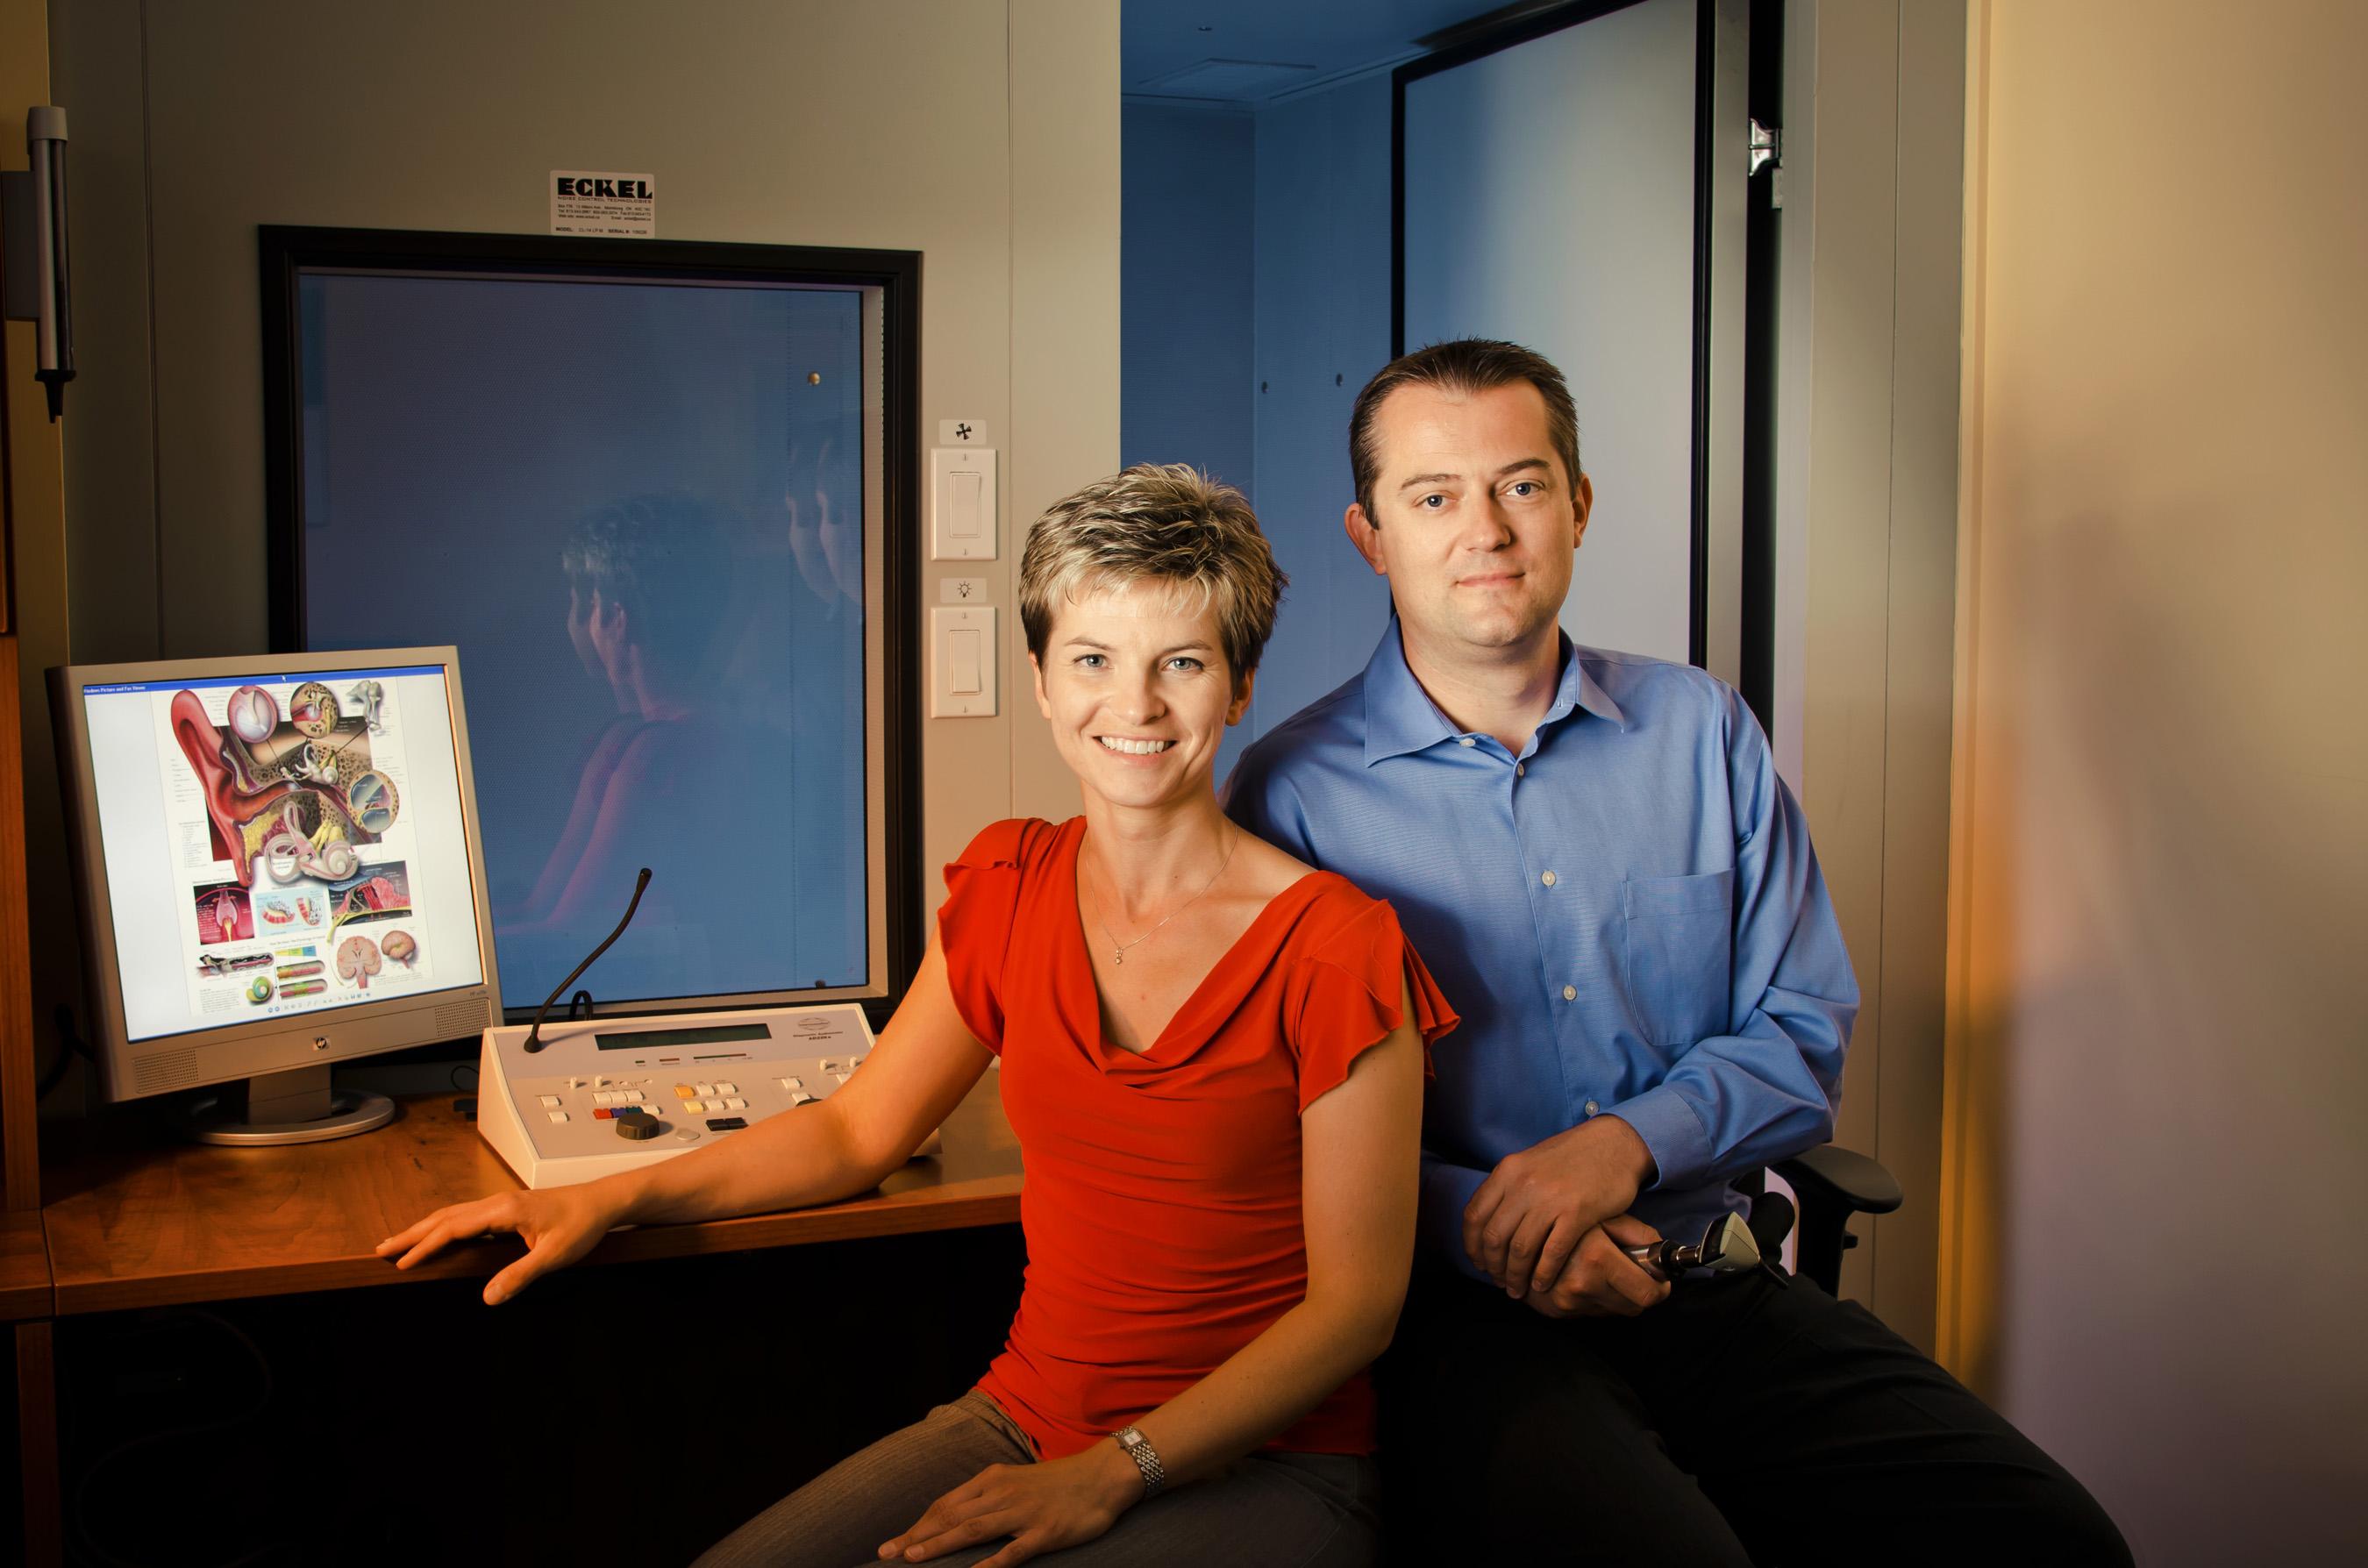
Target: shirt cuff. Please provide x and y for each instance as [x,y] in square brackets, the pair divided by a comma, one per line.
[1675,1135]
[1447,1191]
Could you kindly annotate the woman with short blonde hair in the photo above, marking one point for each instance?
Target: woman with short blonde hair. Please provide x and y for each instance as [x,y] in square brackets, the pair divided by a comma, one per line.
[1160,523]
[1214,1060]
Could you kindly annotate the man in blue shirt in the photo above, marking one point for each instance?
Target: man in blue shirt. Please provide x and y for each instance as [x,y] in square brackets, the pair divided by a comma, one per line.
[1595,855]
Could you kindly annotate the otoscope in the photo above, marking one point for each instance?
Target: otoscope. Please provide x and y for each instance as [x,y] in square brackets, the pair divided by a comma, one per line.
[1727,1247]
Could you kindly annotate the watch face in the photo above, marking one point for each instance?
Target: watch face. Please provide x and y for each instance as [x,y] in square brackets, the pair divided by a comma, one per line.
[1147,1459]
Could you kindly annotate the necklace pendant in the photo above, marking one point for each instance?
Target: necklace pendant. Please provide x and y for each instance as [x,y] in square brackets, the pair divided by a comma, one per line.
[1119,956]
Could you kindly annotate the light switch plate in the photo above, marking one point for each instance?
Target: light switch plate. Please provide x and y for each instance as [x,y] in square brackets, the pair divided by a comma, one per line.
[962,504]
[962,655]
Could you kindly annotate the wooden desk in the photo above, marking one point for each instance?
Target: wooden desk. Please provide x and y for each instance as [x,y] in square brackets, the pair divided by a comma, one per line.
[137,1219]
[144,1225]
[25,1305]
[24,1267]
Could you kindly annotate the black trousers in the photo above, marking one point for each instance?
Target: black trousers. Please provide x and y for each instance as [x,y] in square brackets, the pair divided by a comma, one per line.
[1740,1420]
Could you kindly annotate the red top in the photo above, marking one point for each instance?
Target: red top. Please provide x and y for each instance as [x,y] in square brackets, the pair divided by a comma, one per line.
[1162,1204]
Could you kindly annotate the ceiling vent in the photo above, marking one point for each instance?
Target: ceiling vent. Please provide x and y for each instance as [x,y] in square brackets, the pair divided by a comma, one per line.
[1230,79]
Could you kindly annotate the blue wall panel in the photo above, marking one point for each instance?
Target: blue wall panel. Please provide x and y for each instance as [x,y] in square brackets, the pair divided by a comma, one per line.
[1323,329]
[1257,255]
[1184,295]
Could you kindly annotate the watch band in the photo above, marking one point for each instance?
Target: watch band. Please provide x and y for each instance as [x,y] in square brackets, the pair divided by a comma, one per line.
[1146,1458]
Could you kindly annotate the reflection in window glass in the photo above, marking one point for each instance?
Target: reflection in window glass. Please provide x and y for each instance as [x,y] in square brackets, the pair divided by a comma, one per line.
[637,510]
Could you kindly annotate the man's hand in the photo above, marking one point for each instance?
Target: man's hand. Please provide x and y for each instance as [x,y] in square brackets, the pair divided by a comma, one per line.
[1602,1280]
[1531,1213]
[1043,1507]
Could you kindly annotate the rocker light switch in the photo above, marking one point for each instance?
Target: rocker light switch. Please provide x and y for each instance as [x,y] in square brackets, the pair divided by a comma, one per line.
[962,504]
[961,661]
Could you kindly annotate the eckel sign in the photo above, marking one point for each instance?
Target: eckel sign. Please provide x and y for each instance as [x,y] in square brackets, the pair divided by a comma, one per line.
[599,201]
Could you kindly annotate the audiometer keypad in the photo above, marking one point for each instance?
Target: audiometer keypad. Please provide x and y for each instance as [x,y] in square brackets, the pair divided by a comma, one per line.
[605,1095]
[720,1100]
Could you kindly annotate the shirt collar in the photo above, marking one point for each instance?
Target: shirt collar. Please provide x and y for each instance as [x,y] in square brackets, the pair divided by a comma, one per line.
[1400,717]
[1579,685]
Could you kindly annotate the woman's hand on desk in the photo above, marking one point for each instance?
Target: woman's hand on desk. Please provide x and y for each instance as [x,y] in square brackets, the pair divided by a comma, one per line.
[558,1224]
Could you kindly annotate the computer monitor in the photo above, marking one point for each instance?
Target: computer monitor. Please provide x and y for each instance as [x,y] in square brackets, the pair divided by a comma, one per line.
[278,869]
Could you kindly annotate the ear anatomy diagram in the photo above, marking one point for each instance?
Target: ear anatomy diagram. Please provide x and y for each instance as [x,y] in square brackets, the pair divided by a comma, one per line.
[313,710]
[365,698]
[253,714]
[223,915]
[297,796]
[284,757]
[378,893]
[289,832]
[372,800]
[311,836]
[298,910]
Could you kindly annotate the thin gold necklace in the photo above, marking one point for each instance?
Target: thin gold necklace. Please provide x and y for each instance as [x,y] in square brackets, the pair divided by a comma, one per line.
[1118,948]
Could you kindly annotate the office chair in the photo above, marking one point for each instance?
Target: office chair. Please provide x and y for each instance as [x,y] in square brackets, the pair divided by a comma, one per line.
[1832,1184]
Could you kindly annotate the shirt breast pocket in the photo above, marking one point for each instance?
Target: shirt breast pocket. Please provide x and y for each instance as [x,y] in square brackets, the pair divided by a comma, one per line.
[1679,932]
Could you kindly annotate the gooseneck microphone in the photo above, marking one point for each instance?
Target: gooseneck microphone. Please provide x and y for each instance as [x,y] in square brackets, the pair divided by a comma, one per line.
[534,1035]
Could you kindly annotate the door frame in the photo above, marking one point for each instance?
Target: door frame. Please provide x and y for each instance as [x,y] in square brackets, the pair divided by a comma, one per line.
[1718,545]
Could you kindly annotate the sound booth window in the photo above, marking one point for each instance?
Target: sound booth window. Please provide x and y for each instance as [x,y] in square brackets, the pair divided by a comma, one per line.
[647,503]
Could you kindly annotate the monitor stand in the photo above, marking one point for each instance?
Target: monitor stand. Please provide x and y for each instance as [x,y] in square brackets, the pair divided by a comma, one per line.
[294,1107]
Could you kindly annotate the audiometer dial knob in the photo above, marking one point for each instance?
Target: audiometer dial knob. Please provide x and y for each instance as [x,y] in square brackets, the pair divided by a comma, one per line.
[637,1125]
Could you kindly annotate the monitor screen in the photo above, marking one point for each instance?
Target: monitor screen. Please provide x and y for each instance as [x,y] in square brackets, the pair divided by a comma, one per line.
[647,511]
[279,843]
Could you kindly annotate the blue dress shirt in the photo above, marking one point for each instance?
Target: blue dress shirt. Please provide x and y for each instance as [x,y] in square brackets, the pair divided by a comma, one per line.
[1627,915]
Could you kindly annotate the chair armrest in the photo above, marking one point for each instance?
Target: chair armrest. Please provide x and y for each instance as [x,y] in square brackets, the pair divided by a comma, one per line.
[1830,1174]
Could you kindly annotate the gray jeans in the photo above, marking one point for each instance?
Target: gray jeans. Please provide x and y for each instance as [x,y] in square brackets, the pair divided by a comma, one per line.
[1283,1510]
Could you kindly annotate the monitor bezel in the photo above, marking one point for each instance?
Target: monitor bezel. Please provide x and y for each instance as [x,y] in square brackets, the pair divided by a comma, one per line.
[288,250]
[112,1044]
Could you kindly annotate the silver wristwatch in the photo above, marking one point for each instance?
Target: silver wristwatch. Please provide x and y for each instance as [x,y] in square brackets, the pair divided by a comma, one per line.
[1146,1458]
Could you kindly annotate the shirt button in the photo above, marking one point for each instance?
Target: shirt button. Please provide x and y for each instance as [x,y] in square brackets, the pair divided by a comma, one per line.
[1547,878]
[1570,993]
[1464,740]
[1591,1108]
[1521,770]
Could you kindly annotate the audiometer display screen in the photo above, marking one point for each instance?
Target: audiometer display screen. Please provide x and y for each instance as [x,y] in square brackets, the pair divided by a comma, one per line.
[640,510]
[664,1040]
[281,843]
